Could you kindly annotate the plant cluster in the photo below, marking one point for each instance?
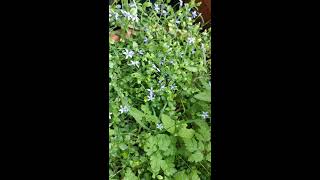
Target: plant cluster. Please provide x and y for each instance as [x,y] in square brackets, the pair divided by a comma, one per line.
[159,92]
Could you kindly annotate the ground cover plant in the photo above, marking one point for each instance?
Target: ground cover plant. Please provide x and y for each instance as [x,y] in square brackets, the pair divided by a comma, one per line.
[159,92]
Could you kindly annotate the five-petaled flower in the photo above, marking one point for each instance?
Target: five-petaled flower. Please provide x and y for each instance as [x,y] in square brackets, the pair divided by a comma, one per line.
[156,7]
[160,126]
[124,109]
[128,54]
[194,14]
[173,86]
[204,115]
[191,40]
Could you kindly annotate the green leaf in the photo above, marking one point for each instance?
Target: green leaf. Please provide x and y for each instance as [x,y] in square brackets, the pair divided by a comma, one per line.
[156,162]
[152,118]
[151,145]
[123,146]
[163,141]
[208,157]
[168,123]
[181,175]
[145,109]
[200,146]
[147,4]
[209,147]
[134,45]
[191,144]
[192,69]
[133,11]
[172,150]
[194,175]
[186,133]
[129,175]
[204,96]
[168,167]
[111,132]
[138,115]
[196,157]
[204,130]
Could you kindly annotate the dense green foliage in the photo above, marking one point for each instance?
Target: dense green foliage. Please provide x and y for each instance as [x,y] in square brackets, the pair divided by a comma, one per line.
[159,93]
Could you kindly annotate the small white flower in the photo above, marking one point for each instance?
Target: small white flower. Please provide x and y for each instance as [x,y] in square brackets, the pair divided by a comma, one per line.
[110,115]
[194,14]
[193,51]
[118,6]
[204,115]
[162,87]
[140,52]
[191,40]
[180,3]
[134,63]
[160,126]
[177,21]
[171,62]
[173,86]
[164,12]
[156,7]
[124,109]
[128,53]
